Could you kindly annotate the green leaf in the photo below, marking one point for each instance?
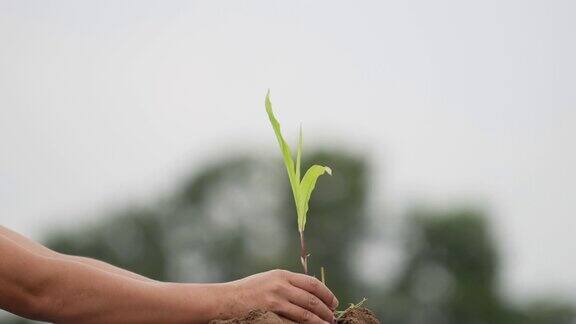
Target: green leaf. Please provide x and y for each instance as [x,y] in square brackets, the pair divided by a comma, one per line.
[299,154]
[301,188]
[284,148]
[305,191]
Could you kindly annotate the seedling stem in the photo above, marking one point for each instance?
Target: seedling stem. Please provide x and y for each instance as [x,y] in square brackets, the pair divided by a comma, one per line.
[303,254]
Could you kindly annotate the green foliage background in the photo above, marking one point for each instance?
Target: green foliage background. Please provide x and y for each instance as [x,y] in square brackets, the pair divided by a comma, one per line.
[236,217]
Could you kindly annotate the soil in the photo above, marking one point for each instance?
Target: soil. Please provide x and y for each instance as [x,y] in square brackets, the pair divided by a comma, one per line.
[354,316]
[359,315]
[255,317]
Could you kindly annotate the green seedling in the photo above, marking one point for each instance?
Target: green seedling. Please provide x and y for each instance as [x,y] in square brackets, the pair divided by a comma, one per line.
[301,187]
[302,190]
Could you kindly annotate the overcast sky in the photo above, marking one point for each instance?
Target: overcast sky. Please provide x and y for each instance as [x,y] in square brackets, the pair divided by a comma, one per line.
[108,102]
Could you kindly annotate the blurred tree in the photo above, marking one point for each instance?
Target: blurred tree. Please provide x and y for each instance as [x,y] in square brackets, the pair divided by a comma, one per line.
[131,239]
[236,217]
[451,276]
[548,312]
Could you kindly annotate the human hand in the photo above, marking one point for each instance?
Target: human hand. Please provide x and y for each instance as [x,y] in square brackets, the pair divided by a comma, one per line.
[298,297]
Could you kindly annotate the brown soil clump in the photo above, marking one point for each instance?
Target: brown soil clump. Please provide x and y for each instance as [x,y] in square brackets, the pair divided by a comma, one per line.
[359,315]
[255,317]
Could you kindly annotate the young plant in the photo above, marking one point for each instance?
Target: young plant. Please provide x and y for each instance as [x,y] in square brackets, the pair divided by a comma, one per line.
[301,187]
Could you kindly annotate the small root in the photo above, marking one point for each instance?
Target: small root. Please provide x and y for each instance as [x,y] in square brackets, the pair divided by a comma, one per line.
[340,314]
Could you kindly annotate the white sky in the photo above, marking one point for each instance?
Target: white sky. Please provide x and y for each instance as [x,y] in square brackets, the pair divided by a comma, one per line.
[107,102]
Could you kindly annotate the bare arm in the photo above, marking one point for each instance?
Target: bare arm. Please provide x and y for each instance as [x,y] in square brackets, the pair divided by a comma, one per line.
[63,291]
[41,284]
[39,249]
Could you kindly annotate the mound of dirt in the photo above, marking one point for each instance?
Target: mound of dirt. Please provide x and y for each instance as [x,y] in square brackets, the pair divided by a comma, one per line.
[354,316]
[359,315]
[255,317]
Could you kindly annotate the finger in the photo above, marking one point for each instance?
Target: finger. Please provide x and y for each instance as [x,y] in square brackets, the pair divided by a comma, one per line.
[310,302]
[315,287]
[299,314]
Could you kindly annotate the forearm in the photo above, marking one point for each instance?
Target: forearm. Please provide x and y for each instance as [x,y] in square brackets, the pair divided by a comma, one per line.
[63,291]
[78,293]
